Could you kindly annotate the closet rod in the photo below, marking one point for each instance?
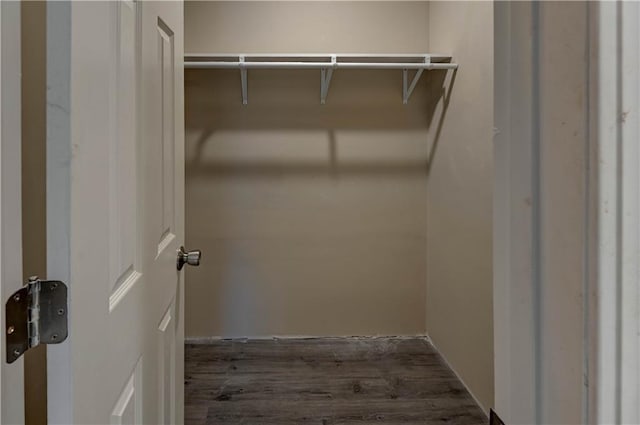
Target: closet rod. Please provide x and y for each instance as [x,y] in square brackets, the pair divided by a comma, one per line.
[318,65]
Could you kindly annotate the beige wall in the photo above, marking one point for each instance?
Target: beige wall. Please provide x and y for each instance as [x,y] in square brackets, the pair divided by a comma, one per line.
[312,218]
[305,27]
[459,201]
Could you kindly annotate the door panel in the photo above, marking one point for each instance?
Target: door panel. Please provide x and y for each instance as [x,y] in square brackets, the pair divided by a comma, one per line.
[166,366]
[128,408]
[123,195]
[120,170]
[166,60]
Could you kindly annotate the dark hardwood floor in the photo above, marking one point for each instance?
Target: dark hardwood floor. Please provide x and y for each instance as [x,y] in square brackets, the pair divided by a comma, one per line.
[323,382]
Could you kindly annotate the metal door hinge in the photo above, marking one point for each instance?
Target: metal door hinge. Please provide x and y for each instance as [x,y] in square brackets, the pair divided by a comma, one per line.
[36,314]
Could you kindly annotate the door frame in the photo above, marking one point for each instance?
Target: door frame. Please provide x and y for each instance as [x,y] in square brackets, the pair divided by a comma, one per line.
[610,296]
[524,261]
[11,375]
[515,224]
[615,322]
[611,316]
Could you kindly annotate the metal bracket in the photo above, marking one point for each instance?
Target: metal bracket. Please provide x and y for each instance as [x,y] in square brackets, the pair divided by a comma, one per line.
[243,80]
[408,89]
[325,79]
[35,314]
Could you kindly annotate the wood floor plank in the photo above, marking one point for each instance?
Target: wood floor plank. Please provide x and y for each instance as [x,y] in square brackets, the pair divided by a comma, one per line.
[323,381]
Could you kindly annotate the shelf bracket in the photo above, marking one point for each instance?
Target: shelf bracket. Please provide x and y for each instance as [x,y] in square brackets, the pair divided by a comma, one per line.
[325,79]
[243,80]
[407,88]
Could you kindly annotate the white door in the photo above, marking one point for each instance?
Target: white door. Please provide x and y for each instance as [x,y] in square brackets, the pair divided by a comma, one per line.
[11,375]
[115,209]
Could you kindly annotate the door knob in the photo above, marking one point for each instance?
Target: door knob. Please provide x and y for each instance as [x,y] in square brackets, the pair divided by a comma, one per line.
[191,258]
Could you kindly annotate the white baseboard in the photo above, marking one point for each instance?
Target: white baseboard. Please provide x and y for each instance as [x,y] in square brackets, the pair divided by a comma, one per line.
[212,339]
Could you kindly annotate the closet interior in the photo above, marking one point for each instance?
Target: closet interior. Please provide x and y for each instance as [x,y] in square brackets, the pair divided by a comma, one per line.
[339,171]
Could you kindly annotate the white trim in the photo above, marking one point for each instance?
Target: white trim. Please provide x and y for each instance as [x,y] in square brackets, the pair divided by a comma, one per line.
[516,228]
[611,214]
[203,340]
[535,360]
[11,375]
[618,213]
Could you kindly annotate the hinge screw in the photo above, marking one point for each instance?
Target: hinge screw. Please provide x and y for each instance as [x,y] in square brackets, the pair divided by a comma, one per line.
[16,297]
[60,312]
[54,337]
[16,353]
[11,330]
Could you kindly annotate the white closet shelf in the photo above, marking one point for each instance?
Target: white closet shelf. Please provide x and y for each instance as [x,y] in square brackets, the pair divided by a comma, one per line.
[326,63]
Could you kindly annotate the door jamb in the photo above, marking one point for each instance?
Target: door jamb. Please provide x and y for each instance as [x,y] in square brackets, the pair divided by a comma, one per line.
[11,375]
[611,291]
[615,323]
